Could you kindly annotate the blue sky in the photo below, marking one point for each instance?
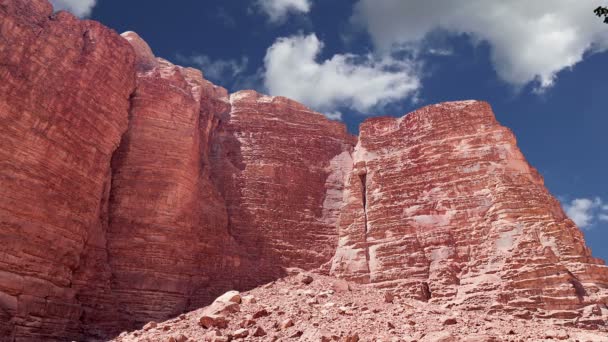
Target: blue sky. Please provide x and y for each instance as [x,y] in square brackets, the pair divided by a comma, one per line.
[540,64]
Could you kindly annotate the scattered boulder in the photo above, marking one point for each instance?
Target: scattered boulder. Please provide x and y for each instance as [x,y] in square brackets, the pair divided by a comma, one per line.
[306,279]
[241,333]
[450,321]
[260,313]
[247,323]
[213,321]
[230,296]
[344,310]
[258,332]
[312,301]
[351,338]
[249,299]
[340,285]
[286,324]
[150,325]
[388,297]
[214,336]
[297,334]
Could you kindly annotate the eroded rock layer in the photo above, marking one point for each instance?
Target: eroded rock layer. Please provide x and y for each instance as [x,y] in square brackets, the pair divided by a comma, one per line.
[442,205]
[281,170]
[64,101]
[133,190]
[166,221]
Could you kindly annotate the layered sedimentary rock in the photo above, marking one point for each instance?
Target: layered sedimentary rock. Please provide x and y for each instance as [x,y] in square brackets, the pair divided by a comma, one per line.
[442,205]
[64,100]
[133,190]
[280,168]
[166,221]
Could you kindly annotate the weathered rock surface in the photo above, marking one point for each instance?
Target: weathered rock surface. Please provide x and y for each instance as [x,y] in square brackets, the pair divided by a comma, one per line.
[167,221]
[442,205]
[133,190]
[280,168]
[64,101]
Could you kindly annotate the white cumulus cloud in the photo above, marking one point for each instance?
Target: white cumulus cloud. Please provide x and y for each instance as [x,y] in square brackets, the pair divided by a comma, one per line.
[292,69]
[586,211]
[80,8]
[530,41]
[278,10]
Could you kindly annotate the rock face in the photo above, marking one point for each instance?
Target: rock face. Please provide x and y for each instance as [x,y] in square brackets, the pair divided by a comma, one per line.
[280,168]
[167,222]
[63,109]
[442,205]
[133,190]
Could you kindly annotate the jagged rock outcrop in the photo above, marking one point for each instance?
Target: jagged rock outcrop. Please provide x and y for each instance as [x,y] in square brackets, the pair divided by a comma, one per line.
[64,101]
[442,205]
[134,190]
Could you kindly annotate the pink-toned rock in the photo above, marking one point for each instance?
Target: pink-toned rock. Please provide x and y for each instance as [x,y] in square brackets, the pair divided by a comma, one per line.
[167,231]
[64,103]
[240,333]
[443,206]
[229,297]
[287,323]
[134,190]
[281,168]
[259,332]
[144,57]
[213,321]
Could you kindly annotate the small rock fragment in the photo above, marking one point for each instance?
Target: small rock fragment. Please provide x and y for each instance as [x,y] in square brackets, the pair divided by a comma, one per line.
[286,324]
[258,332]
[388,297]
[296,334]
[450,321]
[261,313]
[352,338]
[247,323]
[150,325]
[340,285]
[210,321]
[249,299]
[306,279]
[241,333]
[312,301]
[230,296]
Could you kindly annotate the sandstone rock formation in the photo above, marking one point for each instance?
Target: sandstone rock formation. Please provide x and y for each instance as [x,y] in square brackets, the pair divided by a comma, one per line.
[442,205]
[63,110]
[280,168]
[133,190]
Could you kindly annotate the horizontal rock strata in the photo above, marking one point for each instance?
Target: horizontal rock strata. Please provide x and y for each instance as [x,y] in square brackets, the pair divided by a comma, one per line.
[442,205]
[64,101]
[133,190]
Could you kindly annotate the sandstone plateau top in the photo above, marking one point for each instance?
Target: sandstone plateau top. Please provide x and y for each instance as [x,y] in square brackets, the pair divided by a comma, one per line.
[134,190]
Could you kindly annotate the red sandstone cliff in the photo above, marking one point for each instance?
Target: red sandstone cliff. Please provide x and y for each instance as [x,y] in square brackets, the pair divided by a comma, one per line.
[63,109]
[442,205]
[133,190]
[280,168]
